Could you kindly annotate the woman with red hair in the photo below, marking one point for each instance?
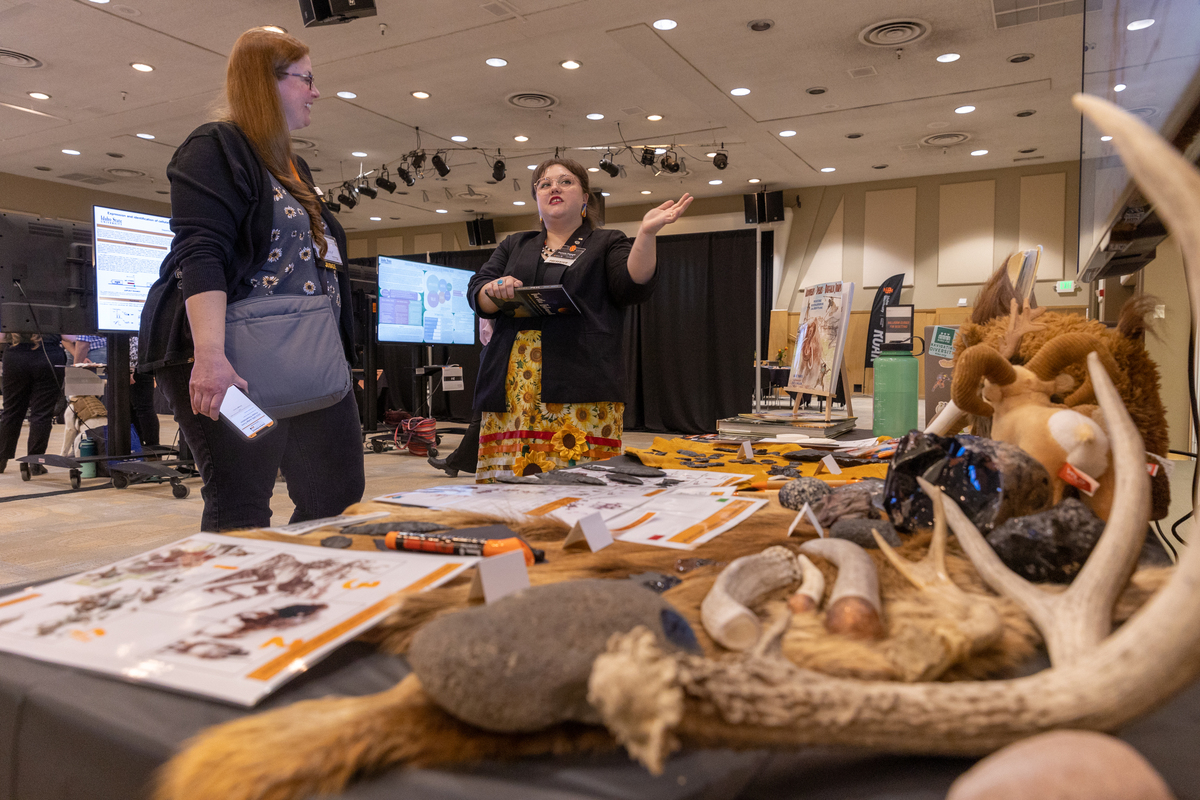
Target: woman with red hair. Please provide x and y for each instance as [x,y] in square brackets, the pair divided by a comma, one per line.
[248,223]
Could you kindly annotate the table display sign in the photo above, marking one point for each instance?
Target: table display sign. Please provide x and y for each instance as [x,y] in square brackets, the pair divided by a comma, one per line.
[217,616]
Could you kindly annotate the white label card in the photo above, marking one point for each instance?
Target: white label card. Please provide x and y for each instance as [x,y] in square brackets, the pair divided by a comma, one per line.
[592,530]
[747,450]
[831,465]
[499,576]
[807,511]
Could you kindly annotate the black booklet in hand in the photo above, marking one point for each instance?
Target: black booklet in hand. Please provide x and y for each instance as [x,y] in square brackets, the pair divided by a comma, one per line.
[540,301]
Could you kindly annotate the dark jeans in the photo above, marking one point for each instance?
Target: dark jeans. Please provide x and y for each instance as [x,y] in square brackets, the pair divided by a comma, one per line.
[320,453]
[465,457]
[30,384]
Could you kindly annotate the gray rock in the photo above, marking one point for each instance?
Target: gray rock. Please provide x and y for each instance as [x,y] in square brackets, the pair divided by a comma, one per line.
[621,477]
[859,531]
[403,526]
[852,501]
[522,663]
[337,541]
[691,453]
[794,494]
[637,470]
[560,477]
[1050,545]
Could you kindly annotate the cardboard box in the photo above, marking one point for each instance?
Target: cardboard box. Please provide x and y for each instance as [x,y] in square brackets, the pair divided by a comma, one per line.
[939,367]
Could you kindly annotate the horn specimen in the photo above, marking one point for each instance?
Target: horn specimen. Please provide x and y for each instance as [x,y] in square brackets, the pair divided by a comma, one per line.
[971,366]
[724,612]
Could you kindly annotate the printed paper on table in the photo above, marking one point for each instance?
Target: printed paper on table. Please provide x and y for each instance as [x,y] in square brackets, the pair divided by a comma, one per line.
[821,337]
[227,618]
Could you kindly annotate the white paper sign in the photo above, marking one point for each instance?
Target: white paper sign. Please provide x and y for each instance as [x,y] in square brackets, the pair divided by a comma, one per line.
[747,450]
[807,511]
[499,576]
[592,530]
[831,465]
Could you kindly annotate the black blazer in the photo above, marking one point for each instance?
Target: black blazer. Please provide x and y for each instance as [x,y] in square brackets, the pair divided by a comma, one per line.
[583,357]
[221,212]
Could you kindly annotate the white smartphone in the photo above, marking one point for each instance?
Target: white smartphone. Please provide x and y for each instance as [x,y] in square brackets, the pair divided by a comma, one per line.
[246,418]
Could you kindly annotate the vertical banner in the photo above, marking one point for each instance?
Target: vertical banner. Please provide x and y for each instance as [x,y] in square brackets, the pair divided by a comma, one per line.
[887,295]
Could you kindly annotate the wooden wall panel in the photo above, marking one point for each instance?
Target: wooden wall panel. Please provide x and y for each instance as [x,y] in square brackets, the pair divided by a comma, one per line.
[890,236]
[390,246]
[966,232]
[1043,209]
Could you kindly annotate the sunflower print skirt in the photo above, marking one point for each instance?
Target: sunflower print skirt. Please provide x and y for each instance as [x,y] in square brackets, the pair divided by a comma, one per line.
[533,436]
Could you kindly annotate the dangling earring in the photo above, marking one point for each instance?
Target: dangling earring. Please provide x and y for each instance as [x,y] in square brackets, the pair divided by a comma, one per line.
[583,213]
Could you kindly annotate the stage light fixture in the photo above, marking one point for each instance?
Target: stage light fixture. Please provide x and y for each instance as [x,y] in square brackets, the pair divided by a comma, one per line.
[608,166]
[365,188]
[498,170]
[439,163]
[403,174]
[721,159]
[385,182]
[647,156]
[346,197]
[334,207]
[669,162]
[417,158]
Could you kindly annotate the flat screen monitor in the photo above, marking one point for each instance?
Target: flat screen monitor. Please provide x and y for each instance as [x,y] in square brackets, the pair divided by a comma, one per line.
[44,282]
[129,249]
[424,303]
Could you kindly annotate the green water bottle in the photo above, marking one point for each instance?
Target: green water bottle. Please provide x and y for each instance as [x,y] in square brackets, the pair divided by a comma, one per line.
[87,447]
[896,379]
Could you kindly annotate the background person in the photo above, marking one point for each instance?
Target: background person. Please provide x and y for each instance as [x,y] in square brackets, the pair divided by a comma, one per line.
[248,223]
[32,382]
[552,389]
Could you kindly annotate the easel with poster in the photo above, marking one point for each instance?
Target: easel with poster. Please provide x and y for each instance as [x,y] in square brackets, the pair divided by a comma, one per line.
[820,341]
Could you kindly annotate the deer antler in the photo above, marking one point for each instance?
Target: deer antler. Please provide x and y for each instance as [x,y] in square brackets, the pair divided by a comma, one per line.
[1020,324]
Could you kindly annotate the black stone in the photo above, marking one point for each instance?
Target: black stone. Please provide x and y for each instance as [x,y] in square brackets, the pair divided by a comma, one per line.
[790,472]
[1050,546]
[560,477]
[637,470]
[656,581]
[859,531]
[621,477]
[669,482]
[337,541]
[691,453]
[686,565]
[401,526]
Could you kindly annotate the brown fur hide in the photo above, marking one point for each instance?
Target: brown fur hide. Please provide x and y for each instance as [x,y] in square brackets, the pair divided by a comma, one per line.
[318,746]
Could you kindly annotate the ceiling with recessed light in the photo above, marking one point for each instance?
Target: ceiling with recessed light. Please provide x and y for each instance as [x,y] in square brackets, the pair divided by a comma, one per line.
[793,97]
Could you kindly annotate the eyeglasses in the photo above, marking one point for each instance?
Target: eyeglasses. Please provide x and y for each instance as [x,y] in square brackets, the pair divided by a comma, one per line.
[308,78]
[546,184]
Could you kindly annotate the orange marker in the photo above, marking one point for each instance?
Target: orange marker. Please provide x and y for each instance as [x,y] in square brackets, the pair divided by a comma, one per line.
[450,545]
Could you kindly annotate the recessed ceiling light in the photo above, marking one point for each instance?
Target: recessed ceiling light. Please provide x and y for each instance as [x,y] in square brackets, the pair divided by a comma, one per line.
[1120,87]
[532,166]
[665,24]
[816,90]
[604,194]
[964,109]
[760,25]
[946,58]
[979,152]
[715,183]
[879,166]
[347,95]
[142,67]
[1020,58]
[359,154]
[741,92]
[595,116]
[1028,150]
[593,169]
[854,135]
[658,151]
[496,62]
[145,135]
[42,169]
[1029,112]
[570,64]
[39,95]
[441,211]
[71,152]
[828,169]
[376,219]
[753,180]
[654,117]
[100,2]
[1106,138]
[710,155]
[518,202]
[520,138]
[645,191]
[458,138]
[1139,24]
[787,133]
[421,95]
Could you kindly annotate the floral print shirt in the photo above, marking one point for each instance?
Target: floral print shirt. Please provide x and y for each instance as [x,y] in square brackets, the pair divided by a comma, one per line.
[293,264]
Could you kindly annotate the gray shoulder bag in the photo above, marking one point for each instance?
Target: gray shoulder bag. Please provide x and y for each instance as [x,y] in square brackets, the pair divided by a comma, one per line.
[289,349]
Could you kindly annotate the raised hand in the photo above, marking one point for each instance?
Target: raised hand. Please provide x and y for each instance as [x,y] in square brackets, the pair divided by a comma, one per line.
[657,218]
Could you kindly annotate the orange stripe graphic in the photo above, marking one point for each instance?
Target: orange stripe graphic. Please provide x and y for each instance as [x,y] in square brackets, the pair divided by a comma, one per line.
[542,511]
[727,513]
[636,522]
[18,600]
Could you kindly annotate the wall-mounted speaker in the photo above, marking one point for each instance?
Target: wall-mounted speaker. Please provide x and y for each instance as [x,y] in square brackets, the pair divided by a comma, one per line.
[481,232]
[763,207]
[334,12]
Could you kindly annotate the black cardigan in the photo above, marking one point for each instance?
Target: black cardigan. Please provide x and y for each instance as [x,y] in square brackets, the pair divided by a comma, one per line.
[582,356]
[221,212]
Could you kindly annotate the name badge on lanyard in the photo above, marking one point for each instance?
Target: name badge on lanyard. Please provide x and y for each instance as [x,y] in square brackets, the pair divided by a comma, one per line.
[567,254]
[333,257]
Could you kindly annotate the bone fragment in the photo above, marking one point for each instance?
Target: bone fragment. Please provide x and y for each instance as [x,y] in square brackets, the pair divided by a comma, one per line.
[725,613]
[808,597]
[854,608]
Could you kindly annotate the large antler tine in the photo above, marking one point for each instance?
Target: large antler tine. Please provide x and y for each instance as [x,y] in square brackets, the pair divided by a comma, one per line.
[937,546]
[902,565]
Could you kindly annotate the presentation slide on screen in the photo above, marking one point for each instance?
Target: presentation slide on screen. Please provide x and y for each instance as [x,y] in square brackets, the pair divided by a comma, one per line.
[424,303]
[130,247]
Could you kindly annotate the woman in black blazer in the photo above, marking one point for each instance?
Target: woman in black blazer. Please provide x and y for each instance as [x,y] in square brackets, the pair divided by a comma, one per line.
[552,389]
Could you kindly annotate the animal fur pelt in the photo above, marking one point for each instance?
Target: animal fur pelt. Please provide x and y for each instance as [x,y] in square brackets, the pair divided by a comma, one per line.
[319,746]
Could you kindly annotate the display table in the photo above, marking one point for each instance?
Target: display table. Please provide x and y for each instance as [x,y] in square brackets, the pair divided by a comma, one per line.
[68,734]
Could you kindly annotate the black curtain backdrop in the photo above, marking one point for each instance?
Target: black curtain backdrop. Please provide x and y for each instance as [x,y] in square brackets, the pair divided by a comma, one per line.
[399,360]
[690,348]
